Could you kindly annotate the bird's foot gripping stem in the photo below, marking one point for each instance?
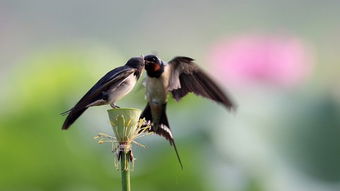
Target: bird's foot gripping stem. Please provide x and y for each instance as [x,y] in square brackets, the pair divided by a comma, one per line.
[114,106]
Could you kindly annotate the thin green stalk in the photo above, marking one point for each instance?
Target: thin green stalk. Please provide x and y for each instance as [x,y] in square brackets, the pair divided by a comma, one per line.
[125,171]
[127,127]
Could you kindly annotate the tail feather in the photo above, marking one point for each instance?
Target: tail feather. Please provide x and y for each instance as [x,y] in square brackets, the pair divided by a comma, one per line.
[162,128]
[172,142]
[73,115]
[66,112]
[146,114]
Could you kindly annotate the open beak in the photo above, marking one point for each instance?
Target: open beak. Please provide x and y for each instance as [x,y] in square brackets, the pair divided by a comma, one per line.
[142,57]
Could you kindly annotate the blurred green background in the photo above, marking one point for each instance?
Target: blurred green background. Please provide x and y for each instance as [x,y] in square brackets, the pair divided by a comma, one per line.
[278,59]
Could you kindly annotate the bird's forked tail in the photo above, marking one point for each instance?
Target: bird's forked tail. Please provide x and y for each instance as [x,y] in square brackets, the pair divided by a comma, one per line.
[73,115]
[162,128]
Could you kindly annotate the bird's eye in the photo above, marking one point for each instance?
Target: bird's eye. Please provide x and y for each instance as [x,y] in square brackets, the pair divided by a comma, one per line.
[151,58]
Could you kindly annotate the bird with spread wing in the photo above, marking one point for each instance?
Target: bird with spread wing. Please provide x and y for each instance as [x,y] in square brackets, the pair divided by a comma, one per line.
[179,76]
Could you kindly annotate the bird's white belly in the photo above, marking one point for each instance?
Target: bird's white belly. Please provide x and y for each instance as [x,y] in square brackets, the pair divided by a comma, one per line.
[126,86]
[155,91]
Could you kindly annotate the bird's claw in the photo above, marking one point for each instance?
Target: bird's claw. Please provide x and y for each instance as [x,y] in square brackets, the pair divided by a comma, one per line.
[114,106]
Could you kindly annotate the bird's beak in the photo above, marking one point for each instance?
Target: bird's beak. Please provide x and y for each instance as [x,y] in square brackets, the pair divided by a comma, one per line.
[146,62]
[142,57]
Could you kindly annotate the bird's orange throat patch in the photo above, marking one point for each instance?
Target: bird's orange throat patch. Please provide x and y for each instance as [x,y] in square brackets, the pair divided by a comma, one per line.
[154,70]
[156,67]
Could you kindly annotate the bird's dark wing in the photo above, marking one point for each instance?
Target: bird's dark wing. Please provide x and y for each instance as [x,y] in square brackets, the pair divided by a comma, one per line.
[186,76]
[112,78]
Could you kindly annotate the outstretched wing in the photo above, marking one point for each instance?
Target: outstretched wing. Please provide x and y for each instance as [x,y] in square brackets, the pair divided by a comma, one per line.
[112,78]
[187,77]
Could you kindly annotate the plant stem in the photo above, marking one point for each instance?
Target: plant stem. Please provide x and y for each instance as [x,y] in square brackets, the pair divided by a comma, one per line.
[124,164]
[126,127]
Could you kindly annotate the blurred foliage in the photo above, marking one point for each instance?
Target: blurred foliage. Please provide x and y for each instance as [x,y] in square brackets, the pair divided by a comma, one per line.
[312,139]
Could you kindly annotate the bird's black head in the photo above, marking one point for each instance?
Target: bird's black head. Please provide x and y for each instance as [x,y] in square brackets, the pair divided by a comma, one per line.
[153,66]
[138,63]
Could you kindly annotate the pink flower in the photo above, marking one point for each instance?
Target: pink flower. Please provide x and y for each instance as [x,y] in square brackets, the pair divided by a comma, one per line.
[249,60]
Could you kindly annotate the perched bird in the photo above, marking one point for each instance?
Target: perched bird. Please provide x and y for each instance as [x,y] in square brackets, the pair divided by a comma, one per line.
[180,76]
[113,86]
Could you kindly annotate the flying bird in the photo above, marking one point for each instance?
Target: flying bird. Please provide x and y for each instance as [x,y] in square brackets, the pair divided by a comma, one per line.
[110,88]
[179,76]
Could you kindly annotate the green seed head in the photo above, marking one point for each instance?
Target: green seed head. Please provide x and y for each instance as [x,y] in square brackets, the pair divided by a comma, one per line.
[124,122]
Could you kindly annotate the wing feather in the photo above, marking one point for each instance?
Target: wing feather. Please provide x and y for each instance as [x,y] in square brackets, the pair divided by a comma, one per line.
[187,77]
[112,78]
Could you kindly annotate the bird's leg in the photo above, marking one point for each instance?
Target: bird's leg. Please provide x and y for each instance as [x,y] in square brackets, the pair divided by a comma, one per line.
[114,105]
